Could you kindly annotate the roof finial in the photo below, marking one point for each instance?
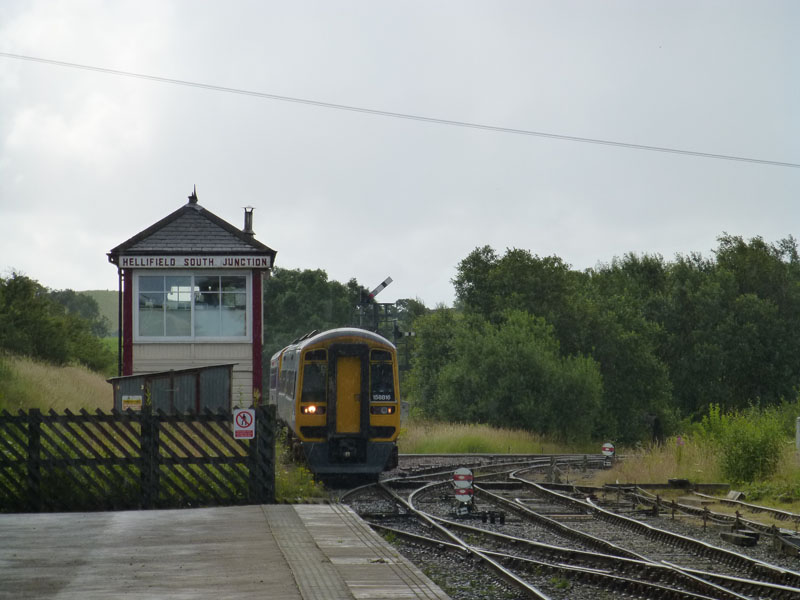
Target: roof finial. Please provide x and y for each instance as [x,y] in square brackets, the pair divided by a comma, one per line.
[193,197]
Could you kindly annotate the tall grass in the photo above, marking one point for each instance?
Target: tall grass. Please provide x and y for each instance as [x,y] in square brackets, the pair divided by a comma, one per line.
[26,384]
[783,488]
[293,482]
[696,457]
[678,458]
[424,437]
[700,460]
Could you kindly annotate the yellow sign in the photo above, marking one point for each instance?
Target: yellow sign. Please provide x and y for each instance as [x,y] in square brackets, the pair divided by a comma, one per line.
[132,402]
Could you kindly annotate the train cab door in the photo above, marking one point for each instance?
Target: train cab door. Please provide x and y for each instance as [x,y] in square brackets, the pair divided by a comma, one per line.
[350,365]
[348,394]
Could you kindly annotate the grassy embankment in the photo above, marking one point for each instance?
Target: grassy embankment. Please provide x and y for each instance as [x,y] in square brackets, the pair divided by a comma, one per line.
[700,462]
[679,458]
[26,383]
[421,437]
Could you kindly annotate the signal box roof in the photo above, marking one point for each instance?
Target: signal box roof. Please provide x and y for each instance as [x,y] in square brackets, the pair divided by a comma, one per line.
[192,230]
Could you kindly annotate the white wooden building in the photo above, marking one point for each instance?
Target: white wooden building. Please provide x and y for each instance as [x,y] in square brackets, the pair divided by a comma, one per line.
[191,295]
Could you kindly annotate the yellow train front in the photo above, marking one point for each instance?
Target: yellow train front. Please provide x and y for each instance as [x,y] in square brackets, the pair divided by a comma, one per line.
[337,392]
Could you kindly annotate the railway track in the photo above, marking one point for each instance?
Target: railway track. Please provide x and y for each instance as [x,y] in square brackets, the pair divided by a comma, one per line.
[543,544]
[784,540]
[648,536]
[780,515]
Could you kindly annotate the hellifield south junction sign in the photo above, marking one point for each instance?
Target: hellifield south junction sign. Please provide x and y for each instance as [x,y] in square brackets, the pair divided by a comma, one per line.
[194,262]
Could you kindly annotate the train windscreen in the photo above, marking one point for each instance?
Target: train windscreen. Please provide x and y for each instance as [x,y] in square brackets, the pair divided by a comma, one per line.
[314,382]
[381,379]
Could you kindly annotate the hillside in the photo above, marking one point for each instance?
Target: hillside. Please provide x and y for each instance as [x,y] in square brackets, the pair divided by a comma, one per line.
[108,304]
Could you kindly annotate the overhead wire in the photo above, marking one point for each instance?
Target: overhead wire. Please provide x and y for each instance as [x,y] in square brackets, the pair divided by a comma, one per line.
[398,115]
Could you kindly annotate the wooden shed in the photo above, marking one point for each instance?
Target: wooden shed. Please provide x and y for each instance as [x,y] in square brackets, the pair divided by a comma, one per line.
[181,390]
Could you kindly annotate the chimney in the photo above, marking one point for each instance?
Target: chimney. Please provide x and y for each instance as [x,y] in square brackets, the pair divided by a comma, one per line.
[248,220]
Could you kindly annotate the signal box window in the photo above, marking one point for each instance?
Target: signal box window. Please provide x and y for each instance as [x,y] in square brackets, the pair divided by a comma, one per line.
[192,306]
[220,305]
[165,306]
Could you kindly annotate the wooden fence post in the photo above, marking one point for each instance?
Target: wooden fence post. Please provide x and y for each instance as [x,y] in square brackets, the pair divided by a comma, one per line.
[149,456]
[34,459]
[262,457]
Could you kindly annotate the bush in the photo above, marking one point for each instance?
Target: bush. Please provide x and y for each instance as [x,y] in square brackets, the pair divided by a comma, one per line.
[787,413]
[751,445]
[713,425]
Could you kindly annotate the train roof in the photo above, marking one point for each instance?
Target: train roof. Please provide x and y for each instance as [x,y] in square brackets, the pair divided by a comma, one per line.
[331,334]
[314,337]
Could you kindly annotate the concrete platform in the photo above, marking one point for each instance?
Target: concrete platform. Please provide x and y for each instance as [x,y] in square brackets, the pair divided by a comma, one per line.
[279,552]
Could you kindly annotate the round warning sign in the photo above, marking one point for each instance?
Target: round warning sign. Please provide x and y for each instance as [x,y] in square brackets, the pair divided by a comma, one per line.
[464,494]
[244,423]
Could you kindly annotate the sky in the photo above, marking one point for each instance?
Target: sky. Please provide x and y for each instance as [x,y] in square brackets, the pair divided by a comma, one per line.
[89,158]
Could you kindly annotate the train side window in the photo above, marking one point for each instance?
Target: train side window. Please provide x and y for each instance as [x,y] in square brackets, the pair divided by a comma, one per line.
[314,382]
[381,378]
[320,354]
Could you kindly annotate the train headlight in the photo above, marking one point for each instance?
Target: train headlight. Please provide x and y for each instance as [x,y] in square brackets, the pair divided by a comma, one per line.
[382,410]
[313,409]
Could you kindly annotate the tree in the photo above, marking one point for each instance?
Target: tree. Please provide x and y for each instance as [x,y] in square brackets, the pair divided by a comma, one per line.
[433,350]
[767,270]
[731,327]
[508,374]
[85,307]
[601,314]
[297,302]
[488,285]
[637,388]
[473,283]
[29,320]
[642,280]
[33,324]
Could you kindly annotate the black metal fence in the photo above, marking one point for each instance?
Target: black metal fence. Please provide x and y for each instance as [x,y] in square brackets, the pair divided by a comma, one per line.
[130,460]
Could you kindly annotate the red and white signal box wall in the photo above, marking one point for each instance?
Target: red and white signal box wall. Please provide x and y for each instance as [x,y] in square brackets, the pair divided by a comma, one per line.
[192,296]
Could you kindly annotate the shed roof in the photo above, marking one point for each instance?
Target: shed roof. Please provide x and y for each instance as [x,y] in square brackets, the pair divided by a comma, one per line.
[191,230]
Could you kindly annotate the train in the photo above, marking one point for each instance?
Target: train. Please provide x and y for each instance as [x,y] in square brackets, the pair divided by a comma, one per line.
[337,392]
